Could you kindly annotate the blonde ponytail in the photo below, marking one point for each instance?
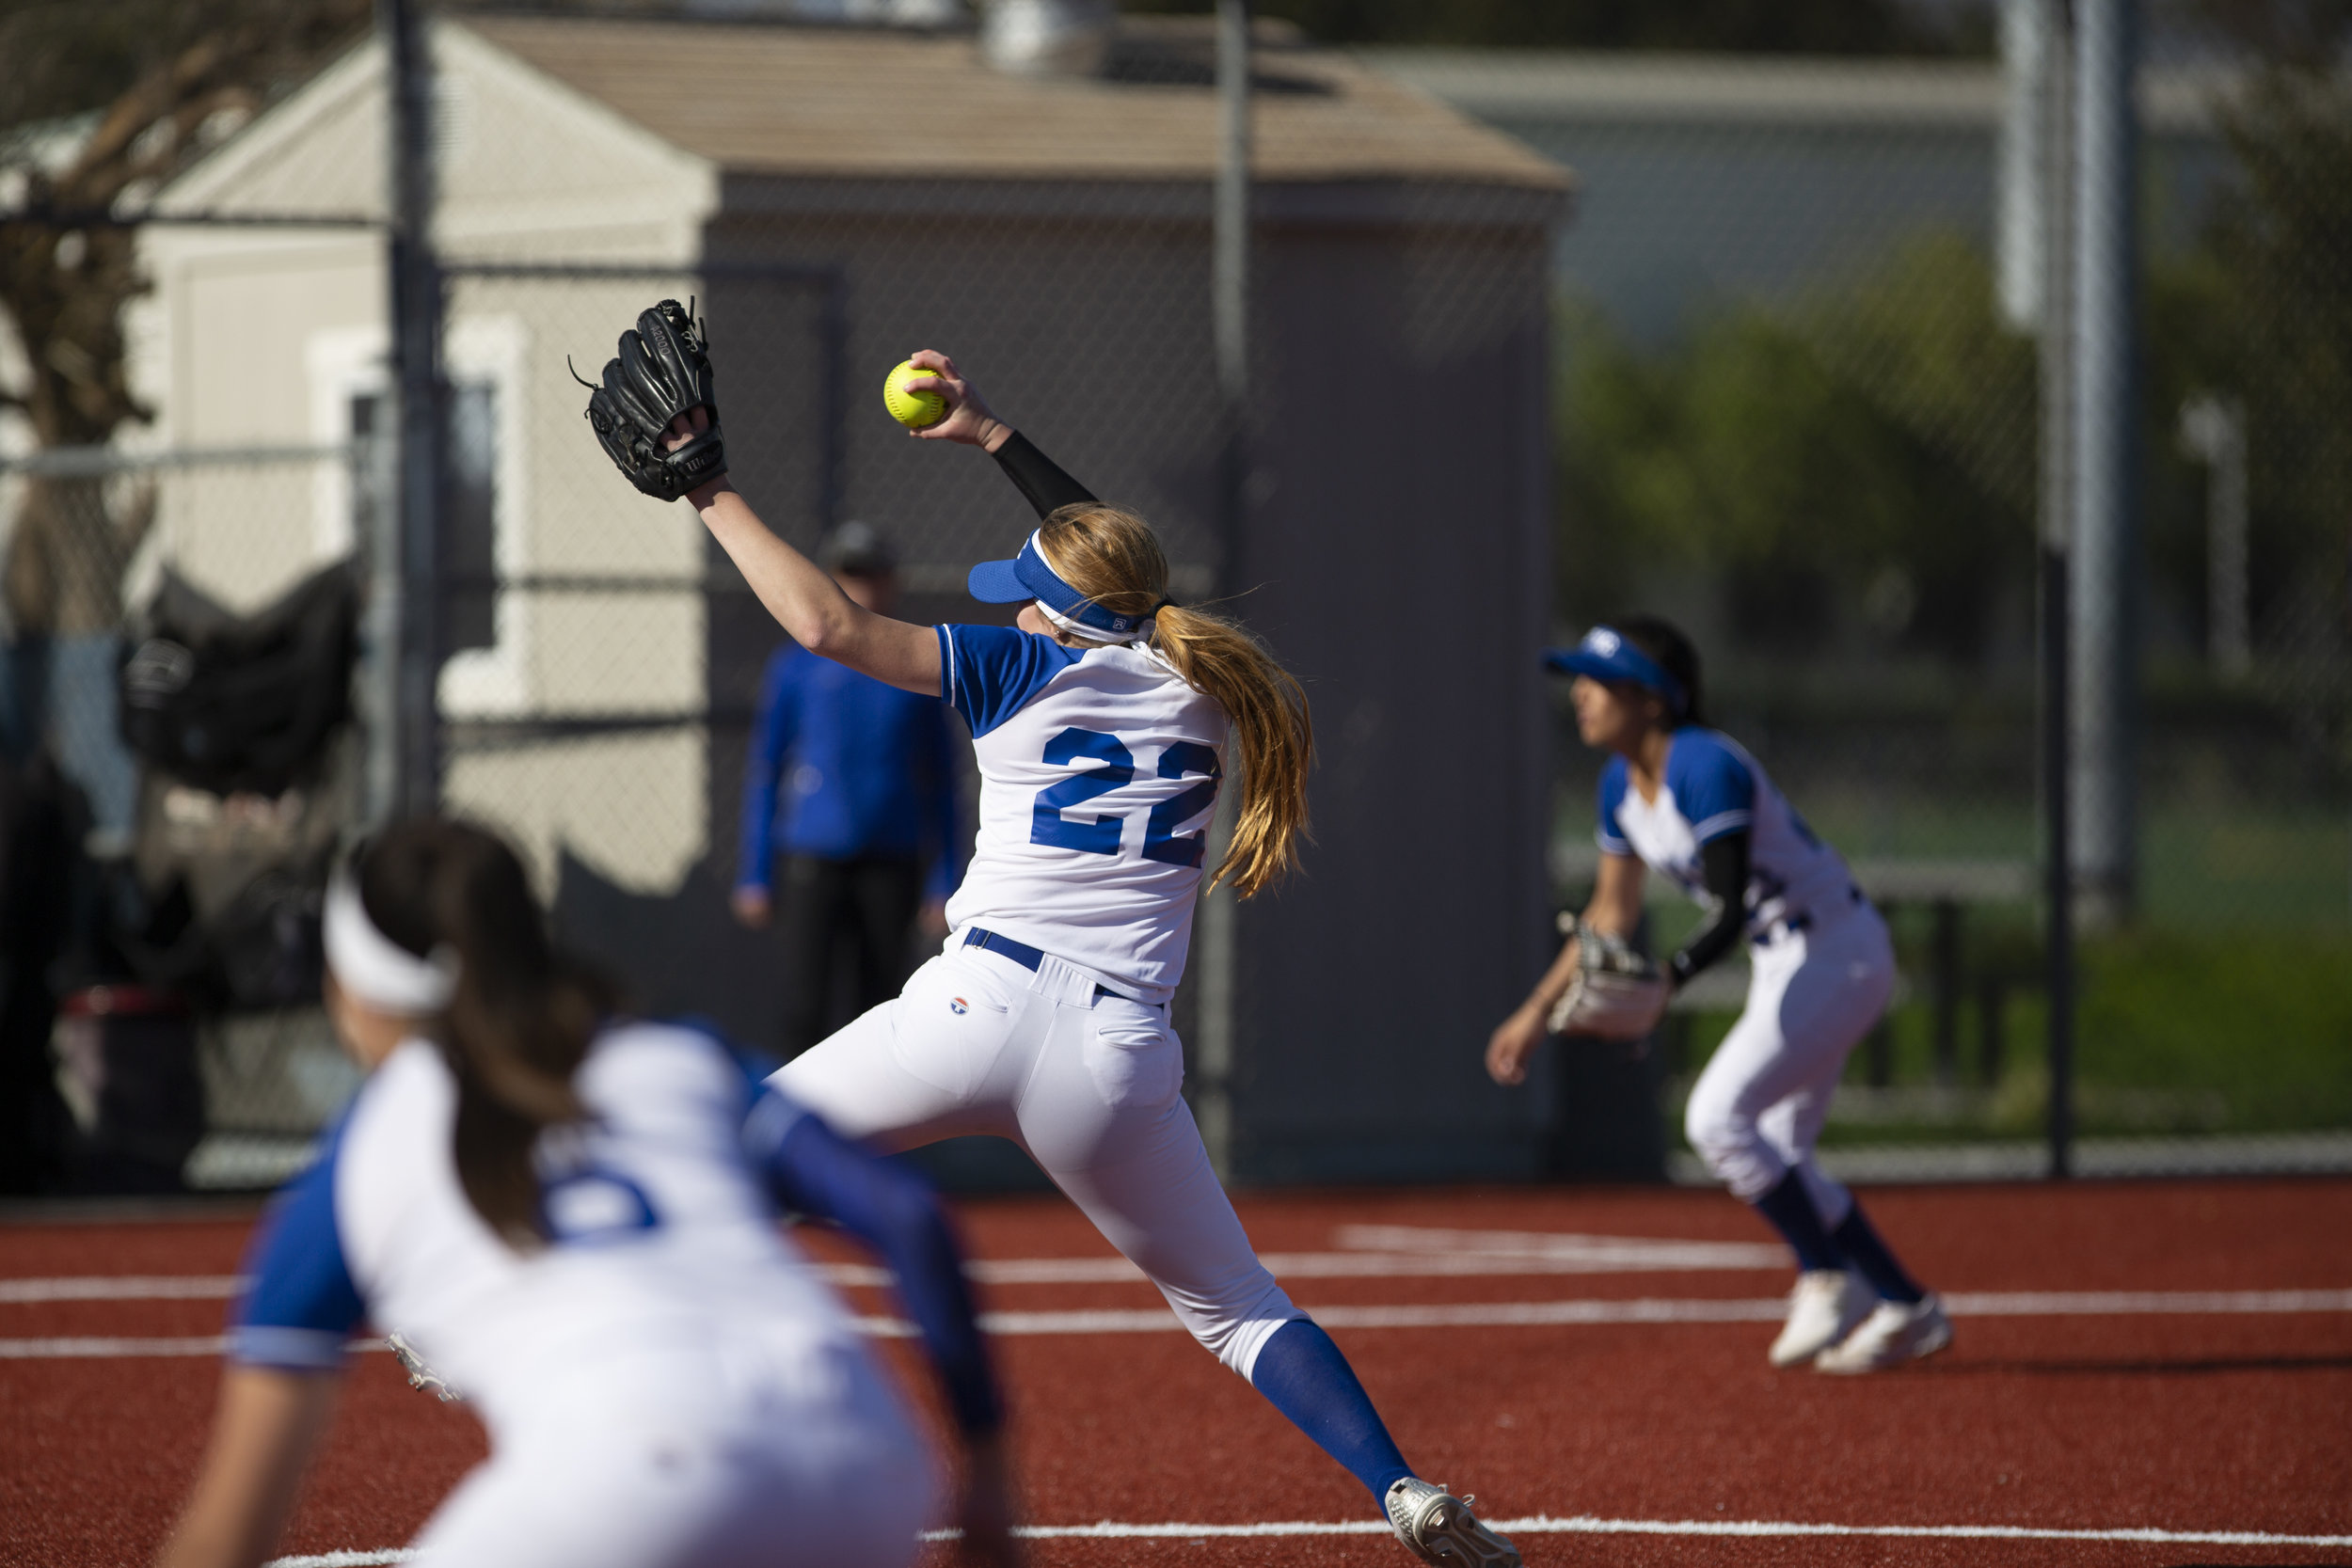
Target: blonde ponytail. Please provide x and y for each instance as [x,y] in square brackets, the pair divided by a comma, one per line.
[1112,557]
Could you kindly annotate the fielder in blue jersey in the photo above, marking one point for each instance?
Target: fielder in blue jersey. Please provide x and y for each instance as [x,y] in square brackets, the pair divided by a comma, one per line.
[570,1217]
[1104,721]
[1689,804]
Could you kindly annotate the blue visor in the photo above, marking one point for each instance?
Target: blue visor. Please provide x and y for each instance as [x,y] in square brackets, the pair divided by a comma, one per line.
[1027,577]
[1605,656]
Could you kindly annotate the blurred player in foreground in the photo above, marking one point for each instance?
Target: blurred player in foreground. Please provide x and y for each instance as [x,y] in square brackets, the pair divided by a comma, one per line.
[1689,804]
[849,793]
[1102,723]
[570,1216]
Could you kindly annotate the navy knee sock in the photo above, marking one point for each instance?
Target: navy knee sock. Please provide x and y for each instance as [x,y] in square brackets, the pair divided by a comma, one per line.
[1790,1210]
[1872,1260]
[1302,1373]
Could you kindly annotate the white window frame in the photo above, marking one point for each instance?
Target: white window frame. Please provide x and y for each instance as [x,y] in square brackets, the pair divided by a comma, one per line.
[349,362]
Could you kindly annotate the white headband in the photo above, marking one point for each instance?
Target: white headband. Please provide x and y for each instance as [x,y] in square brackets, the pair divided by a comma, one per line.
[374,968]
[1092,634]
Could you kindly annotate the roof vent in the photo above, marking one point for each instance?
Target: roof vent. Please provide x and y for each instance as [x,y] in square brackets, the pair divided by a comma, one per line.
[1038,37]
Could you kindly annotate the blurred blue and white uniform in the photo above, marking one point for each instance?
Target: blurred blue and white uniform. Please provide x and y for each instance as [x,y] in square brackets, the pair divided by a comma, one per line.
[668,1380]
[1823,968]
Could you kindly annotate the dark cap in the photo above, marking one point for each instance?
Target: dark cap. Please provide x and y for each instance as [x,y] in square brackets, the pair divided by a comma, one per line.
[857,549]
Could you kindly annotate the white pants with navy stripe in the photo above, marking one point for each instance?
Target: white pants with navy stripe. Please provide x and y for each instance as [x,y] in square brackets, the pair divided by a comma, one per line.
[1757,1110]
[713,1457]
[1089,1086]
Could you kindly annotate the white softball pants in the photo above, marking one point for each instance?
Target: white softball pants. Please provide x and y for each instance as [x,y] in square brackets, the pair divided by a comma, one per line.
[1086,1086]
[670,1460]
[1757,1108]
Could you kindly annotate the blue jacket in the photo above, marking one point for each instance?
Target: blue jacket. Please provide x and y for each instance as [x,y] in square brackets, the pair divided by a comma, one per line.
[843,766]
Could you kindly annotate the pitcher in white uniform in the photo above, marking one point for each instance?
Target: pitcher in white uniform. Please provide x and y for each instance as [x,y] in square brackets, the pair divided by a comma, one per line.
[572,1218]
[1689,804]
[1105,725]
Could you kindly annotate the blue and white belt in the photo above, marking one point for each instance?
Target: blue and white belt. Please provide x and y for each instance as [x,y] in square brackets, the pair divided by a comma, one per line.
[1790,925]
[1025,955]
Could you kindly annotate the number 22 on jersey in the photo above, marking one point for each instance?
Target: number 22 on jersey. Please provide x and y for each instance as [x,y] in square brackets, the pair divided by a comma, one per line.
[1100,835]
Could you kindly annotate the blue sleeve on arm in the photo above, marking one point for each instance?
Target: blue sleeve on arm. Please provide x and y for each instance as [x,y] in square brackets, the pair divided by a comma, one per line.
[814,1170]
[989,671]
[1713,788]
[1609,837]
[763,770]
[301,1305]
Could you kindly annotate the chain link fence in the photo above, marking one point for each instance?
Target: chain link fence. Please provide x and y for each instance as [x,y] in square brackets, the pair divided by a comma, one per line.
[1803,408]
[1532,339]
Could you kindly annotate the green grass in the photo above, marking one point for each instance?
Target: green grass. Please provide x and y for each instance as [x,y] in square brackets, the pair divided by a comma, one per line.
[2198,864]
[2265,1020]
[2178,1031]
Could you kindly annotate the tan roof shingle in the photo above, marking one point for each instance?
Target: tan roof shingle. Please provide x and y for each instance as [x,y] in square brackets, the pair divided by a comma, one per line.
[813,101]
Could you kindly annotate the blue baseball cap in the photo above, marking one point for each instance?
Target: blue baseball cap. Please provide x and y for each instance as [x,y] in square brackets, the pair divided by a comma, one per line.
[1606,655]
[1027,577]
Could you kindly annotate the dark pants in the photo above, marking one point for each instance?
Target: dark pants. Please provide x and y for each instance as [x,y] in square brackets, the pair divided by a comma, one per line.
[848,926]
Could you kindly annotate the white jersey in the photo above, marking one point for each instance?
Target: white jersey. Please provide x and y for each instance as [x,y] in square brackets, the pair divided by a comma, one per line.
[1712,787]
[663,1239]
[1099,768]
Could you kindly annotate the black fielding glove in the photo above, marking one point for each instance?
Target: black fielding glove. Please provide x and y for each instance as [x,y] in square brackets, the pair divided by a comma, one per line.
[663,369]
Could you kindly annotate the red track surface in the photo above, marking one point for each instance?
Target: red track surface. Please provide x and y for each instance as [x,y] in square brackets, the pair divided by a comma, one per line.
[2183,1423]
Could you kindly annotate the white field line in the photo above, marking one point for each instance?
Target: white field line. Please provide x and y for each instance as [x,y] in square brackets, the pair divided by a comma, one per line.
[2031,1303]
[1544,1523]
[1379,1251]
[98,1347]
[126,1286]
[1503,1314]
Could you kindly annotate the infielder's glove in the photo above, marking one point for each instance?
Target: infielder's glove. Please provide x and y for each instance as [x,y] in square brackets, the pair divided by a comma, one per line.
[663,370]
[1617,993]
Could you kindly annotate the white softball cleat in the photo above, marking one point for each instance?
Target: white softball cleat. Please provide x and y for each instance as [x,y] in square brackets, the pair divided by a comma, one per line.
[1826,1306]
[421,1377]
[1893,1334]
[1439,1527]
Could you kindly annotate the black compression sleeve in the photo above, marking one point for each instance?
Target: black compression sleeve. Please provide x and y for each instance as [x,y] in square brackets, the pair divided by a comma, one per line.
[1039,478]
[1724,863]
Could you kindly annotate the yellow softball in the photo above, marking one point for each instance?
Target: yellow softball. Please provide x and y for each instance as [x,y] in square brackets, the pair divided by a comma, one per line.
[912,409]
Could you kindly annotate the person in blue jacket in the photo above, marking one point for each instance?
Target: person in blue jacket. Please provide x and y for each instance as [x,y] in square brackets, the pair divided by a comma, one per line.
[850,826]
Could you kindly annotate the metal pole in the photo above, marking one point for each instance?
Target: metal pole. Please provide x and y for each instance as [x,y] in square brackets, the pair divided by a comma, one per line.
[2214,428]
[835,356]
[2021,198]
[418,404]
[1230,284]
[1214,1052]
[2106,562]
[2056,534]
[375,486]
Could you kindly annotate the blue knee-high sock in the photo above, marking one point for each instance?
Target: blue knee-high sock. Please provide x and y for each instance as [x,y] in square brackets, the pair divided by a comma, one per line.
[1305,1377]
[1790,1210]
[1871,1259]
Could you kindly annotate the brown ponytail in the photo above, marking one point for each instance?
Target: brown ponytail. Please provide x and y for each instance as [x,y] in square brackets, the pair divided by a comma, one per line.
[522,1018]
[1112,557]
